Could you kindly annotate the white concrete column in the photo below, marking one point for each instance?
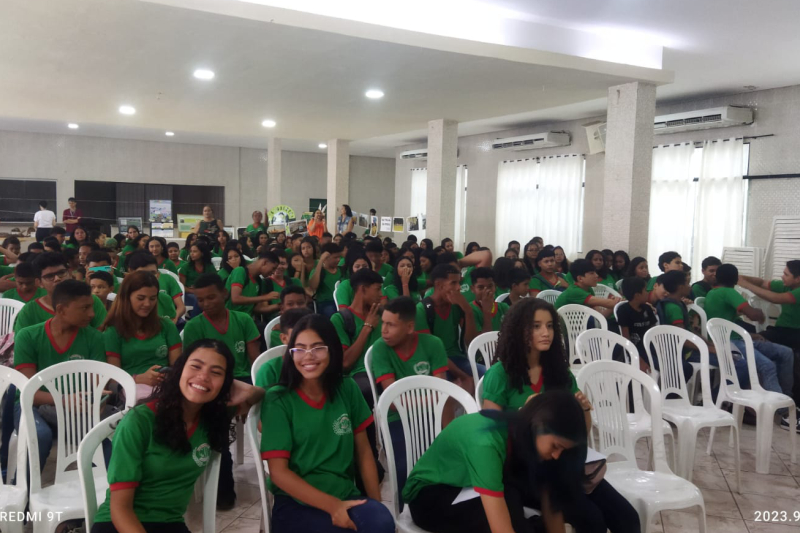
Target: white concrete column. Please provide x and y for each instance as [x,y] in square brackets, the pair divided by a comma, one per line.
[274,150]
[629,157]
[441,197]
[338,179]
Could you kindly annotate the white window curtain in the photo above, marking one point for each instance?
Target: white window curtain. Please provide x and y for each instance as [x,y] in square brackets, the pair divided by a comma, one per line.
[419,196]
[671,204]
[719,214]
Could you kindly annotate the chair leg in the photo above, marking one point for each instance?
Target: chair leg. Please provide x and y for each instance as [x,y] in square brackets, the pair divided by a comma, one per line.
[737,458]
[687,441]
[763,438]
[701,526]
[792,432]
[239,441]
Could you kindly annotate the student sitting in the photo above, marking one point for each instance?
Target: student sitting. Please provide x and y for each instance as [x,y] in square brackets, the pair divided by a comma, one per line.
[231,260]
[403,283]
[170,296]
[622,262]
[585,275]
[316,439]
[161,448]
[270,372]
[547,277]
[9,251]
[667,262]
[174,253]
[158,247]
[292,297]
[25,288]
[244,287]
[374,252]
[447,244]
[324,277]
[354,261]
[488,313]
[520,280]
[669,291]
[636,317]
[101,284]
[198,263]
[277,282]
[100,261]
[65,335]
[709,281]
[786,293]
[598,260]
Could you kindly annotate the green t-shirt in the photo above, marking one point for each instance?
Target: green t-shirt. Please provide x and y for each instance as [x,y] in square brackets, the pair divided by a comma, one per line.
[469,296]
[699,289]
[674,315]
[327,285]
[651,283]
[163,478]
[444,327]
[271,284]
[344,293]
[469,452]
[251,288]
[568,278]
[12,294]
[386,271]
[318,439]
[6,270]
[609,281]
[178,265]
[574,295]
[166,264]
[499,310]
[275,338]
[391,292]
[422,282]
[539,284]
[35,312]
[223,274]
[725,303]
[497,388]
[790,313]
[254,231]
[138,354]
[166,306]
[269,373]
[239,331]
[191,274]
[459,255]
[169,286]
[184,254]
[347,340]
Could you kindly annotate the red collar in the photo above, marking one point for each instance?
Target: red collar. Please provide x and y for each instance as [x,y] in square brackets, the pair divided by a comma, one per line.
[410,354]
[227,322]
[39,301]
[311,403]
[537,387]
[52,339]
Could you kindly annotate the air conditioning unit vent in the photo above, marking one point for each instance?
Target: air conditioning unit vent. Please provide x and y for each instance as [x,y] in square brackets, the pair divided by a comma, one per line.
[530,142]
[718,117]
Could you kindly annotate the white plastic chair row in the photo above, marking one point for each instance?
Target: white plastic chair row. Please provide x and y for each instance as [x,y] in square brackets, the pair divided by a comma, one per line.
[9,309]
[217,262]
[14,498]
[268,329]
[549,295]
[576,321]
[603,291]
[486,344]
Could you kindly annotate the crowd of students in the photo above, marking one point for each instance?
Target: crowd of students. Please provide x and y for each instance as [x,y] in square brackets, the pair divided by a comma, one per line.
[417,306]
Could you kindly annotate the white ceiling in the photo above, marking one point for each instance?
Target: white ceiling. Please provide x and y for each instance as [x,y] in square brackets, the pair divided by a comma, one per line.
[78,60]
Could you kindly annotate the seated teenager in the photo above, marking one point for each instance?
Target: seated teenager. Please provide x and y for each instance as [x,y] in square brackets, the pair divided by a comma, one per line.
[25,288]
[65,335]
[10,250]
[317,421]
[667,262]
[244,287]
[635,317]
[292,297]
[547,277]
[232,259]
[669,291]
[449,247]
[170,296]
[102,284]
[786,293]
[174,253]
[709,281]
[622,262]
[161,448]
[84,250]
[520,280]
[277,282]
[404,282]
[354,261]
[100,261]
[488,313]
[158,247]
[601,265]
[35,248]
[324,277]
[581,292]
[427,260]
[374,252]
[76,271]
[198,263]
[270,372]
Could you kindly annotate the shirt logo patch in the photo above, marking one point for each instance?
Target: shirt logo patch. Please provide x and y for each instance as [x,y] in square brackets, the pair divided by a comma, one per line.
[423,368]
[240,347]
[162,351]
[342,426]
[75,357]
[202,454]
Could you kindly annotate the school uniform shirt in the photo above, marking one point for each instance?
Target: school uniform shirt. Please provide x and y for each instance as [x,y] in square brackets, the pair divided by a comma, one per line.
[674,315]
[790,313]
[163,478]
[609,282]
[6,270]
[444,327]
[12,294]
[469,296]
[35,312]
[192,274]
[422,281]
[169,286]
[390,292]
[327,285]
[700,289]
[253,231]
[651,283]
[497,388]
[136,355]
[344,338]
[498,311]
[237,333]
[318,438]
[178,265]
[269,373]
[539,284]
[275,338]
[240,277]
[271,284]
[469,452]
[574,295]
[725,303]
[637,322]
[184,254]
[386,271]
[166,264]
[166,306]
[568,278]
[344,293]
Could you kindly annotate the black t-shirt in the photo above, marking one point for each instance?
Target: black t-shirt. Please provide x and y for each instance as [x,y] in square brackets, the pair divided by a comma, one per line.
[637,322]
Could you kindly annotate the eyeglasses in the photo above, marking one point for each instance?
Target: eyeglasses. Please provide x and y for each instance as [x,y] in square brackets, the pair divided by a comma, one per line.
[61,274]
[316,351]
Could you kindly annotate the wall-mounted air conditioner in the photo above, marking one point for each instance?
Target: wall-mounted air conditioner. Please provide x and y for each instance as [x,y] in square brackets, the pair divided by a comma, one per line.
[717,117]
[415,154]
[548,139]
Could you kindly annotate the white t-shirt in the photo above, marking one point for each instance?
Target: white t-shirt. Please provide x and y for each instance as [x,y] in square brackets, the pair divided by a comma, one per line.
[45,218]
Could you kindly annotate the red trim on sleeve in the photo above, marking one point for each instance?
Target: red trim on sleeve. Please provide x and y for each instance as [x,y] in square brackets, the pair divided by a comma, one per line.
[345,347]
[25,365]
[533,292]
[487,492]
[179,345]
[342,306]
[585,302]
[426,330]
[254,339]
[122,485]
[741,306]
[365,424]
[385,377]
[794,300]
[237,285]
[440,370]
[177,296]
[678,322]
[113,354]
[275,454]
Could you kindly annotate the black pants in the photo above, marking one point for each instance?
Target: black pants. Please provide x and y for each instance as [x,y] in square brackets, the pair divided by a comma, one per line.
[41,233]
[604,508]
[225,486]
[788,337]
[149,527]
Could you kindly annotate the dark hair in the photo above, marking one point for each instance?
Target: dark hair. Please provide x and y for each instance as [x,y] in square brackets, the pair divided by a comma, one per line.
[205,253]
[580,267]
[136,241]
[122,316]
[481,273]
[25,270]
[225,264]
[43,203]
[170,428]
[52,243]
[446,258]
[331,248]
[173,245]
[70,254]
[163,242]
[626,258]
[404,306]
[727,275]
[35,246]
[290,318]
[209,280]
[472,245]
[58,230]
[443,271]
[291,289]
[635,262]
[347,210]
[332,376]
[351,258]
[412,238]
[794,267]
[11,240]
[327,234]
[69,290]
[364,278]
[518,275]
[428,243]
[48,260]
[93,246]
[397,281]
[672,280]
[503,268]
[710,261]
[71,199]
[98,256]
[445,241]
[313,242]
[632,286]
[140,259]
[666,257]
[189,241]
[602,271]
[374,246]
[544,253]
[103,276]
[538,240]
[512,242]
[138,230]
[73,241]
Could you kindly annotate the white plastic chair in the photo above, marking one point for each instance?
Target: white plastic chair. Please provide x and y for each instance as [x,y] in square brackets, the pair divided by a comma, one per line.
[170,273]
[479,393]
[254,440]
[420,402]
[335,299]
[8,314]
[486,343]
[693,383]
[764,402]
[616,309]
[700,302]
[618,285]
[502,298]
[603,291]
[111,296]
[217,262]
[62,500]
[665,344]
[606,385]
[576,320]
[272,353]
[270,326]
[14,498]
[550,296]
[372,385]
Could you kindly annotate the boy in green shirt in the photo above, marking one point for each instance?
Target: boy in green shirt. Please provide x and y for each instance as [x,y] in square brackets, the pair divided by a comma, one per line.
[488,313]
[324,277]
[709,267]
[292,297]
[64,337]
[667,262]
[374,251]
[581,293]
[174,253]
[25,280]
[245,287]
[786,293]
[101,284]
[101,261]
[520,280]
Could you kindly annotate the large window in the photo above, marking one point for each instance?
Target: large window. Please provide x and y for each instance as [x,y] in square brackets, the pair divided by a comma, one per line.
[19,199]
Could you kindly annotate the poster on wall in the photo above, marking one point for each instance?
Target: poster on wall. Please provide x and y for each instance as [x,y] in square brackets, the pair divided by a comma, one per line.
[363,220]
[373,226]
[386,223]
[423,221]
[280,214]
[160,216]
[412,224]
[186,223]
[299,226]
[124,222]
[307,216]
[399,224]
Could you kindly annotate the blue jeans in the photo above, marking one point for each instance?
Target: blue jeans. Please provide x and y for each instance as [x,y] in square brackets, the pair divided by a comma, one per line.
[44,433]
[190,300]
[326,309]
[399,448]
[288,516]
[740,365]
[463,364]
[774,364]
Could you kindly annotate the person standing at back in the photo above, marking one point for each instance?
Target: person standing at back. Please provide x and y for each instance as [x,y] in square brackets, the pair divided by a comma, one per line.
[71,216]
[43,221]
[344,224]
[210,225]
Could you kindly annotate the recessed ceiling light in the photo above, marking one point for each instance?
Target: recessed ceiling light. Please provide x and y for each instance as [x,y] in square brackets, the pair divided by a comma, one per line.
[269,123]
[204,74]
[374,94]
[323,145]
[170,134]
[73,126]
[127,110]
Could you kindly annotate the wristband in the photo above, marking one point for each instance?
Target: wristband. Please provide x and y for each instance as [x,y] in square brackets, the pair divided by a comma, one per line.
[367,325]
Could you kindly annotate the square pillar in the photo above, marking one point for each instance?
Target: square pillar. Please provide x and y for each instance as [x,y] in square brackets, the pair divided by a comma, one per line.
[338,179]
[441,193]
[628,166]
[274,151]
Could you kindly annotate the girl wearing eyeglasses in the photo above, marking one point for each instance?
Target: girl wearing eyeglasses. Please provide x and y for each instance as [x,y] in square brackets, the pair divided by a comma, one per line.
[316,437]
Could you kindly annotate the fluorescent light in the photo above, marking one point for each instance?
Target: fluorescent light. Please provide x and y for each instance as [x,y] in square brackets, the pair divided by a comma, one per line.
[374,94]
[269,123]
[73,126]
[323,145]
[204,74]
[127,110]
[170,134]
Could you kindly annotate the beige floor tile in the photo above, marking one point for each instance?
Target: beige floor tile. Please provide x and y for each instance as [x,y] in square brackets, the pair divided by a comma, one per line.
[709,477]
[254,512]
[794,468]
[749,504]
[246,473]
[720,503]
[765,484]
[726,461]
[772,527]
[678,521]
[246,495]
[243,525]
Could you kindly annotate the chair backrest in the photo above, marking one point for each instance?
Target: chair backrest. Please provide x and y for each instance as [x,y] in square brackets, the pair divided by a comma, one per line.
[272,353]
[576,321]
[371,377]
[479,393]
[420,402]
[502,298]
[8,314]
[606,385]
[616,309]
[217,262]
[9,377]
[335,299]
[68,382]
[700,312]
[486,343]
[550,296]
[111,296]
[700,302]
[603,291]
[183,291]
[86,451]
[666,344]
[270,326]
[720,331]
[254,439]
[170,273]
[618,285]
[598,345]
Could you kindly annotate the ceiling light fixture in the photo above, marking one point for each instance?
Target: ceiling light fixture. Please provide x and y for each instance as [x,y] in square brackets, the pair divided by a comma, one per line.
[269,123]
[73,126]
[127,110]
[170,134]
[323,145]
[204,74]
[374,94]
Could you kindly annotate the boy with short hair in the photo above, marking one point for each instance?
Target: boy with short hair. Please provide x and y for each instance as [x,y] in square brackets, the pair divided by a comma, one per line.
[292,297]
[636,317]
[101,284]
[326,238]
[786,293]
[374,252]
[520,280]
[59,233]
[709,268]
[582,293]
[25,284]
[244,286]
[323,278]
[488,313]
[514,245]
[174,253]
[667,262]
[277,282]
